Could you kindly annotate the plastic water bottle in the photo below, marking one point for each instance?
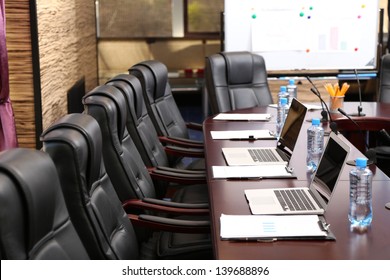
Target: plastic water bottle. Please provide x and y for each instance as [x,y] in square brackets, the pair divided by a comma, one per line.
[360,206]
[283,94]
[292,90]
[281,115]
[315,144]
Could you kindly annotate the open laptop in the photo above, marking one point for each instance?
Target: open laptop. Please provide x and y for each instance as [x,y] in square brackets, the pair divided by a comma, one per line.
[280,154]
[306,200]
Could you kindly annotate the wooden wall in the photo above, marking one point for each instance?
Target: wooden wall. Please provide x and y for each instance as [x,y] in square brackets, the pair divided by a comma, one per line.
[21,70]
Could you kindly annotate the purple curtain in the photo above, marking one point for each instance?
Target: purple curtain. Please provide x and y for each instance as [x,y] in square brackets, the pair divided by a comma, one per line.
[8,137]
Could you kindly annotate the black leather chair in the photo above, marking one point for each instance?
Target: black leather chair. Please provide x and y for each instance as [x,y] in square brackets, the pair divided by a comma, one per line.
[34,221]
[381,153]
[143,132]
[384,79]
[75,144]
[236,80]
[161,104]
[107,105]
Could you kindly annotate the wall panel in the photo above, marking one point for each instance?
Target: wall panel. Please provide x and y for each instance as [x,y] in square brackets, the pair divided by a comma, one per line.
[67,47]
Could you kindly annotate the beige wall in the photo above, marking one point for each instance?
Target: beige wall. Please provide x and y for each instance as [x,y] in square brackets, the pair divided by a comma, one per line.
[67,47]
[117,56]
[383,5]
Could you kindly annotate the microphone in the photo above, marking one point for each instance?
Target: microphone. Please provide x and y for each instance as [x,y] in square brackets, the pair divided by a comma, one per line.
[352,162]
[360,108]
[325,109]
[314,90]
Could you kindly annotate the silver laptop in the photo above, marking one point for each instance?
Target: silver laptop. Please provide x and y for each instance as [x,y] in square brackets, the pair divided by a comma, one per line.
[306,200]
[272,155]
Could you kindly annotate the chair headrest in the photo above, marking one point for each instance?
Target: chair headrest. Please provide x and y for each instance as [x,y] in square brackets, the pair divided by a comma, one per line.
[85,128]
[35,176]
[385,70]
[157,72]
[116,96]
[132,90]
[239,67]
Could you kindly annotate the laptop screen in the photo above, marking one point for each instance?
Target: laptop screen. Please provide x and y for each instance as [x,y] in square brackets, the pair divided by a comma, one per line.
[292,125]
[330,166]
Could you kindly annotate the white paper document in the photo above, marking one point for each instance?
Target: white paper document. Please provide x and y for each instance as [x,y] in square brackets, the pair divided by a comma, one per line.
[243,134]
[252,172]
[255,227]
[243,117]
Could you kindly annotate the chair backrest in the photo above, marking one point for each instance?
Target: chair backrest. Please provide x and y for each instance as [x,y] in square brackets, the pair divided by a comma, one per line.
[236,80]
[160,102]
[138,122]
[74,143]
[122,158]
[384,79]
[34,220]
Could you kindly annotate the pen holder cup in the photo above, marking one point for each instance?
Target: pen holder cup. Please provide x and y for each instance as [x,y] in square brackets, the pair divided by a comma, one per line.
[336,102]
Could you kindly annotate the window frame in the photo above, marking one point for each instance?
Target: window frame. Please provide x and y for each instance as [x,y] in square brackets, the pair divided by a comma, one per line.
[199,35]
[186,33]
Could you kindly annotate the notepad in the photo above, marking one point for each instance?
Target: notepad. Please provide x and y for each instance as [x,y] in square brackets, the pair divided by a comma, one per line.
[272,227]
[252,172]
[243,117]
[243,134]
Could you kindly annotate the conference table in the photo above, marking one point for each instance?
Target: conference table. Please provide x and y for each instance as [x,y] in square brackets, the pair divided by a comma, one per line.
[227,196]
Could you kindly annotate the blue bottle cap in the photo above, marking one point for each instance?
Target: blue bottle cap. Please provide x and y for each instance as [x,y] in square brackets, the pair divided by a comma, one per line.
[283,88]
[361,162]
[315,121]
[283,101]
[291,82]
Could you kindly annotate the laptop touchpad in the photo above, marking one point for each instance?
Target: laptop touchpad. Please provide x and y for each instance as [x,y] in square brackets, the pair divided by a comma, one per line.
[263,200]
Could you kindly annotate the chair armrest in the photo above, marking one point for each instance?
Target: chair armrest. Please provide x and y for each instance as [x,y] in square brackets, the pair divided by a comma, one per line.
[182,171]
[158,205]
[168,224]
[184,152]
[183,142]
[194,126]
[177,176]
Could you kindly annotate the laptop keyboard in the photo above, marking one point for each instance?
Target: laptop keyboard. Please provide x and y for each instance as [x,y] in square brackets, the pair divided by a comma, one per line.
[262,155]
[294,200]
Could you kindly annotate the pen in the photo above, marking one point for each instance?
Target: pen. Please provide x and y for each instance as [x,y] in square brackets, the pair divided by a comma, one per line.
[323,225]
[244,178]
[255,239]
[253,138]
[289,169]
[248,138]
